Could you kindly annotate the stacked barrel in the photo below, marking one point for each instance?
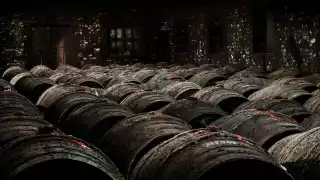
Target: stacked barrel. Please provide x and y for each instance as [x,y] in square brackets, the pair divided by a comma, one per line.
[162,121]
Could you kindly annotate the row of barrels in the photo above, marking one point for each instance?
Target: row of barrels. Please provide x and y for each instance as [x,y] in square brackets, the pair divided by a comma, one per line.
[140,144]
[265,119]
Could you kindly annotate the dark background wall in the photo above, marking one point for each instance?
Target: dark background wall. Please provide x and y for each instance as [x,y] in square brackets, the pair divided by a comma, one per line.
[245,33]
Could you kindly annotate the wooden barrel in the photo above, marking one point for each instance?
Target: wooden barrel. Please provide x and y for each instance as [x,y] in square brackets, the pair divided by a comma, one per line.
[19,127]
[197,114]
[86,81]
[68,68]
[311,122]
[284,106]
[188,73]
[314,78]
[282,92]
[120,91]
[128,140]
[55,156]
[11,72]
[296,83]
[33,87]
[6,86]
[207,78]
[299,154]
[281,73]
[12,103]
[244,88]
[144,101]
[249,73]
[64,104]
[313,104]
[92,119]
[67,77]
[203,155]
[180,90]
[144,75]
[53,93]
[227,100]
[41,71]
[163,75]
[122,79]
[264,127]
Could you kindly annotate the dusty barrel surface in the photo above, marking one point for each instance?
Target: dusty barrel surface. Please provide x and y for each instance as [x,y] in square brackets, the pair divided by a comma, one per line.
[33,87]
[314,78]
[122,79]
[228,70]
[312,121]
[313,104]
[261,82]
[205,155]
[144,101]
[144,75]
[284,106]
[207,78]
[41,71]
[128,140]
[244,88]
[53,93]
[103,78]
[51,156]
[197,114]
[64,104]
[188,73]
[120,91]
[14,127]
[13,103]
[282,92]
[157,86]
[95,68]
[86,81]
[227,100]
[11,72]
[208,66]
[180,90]
[264,127]
[6,86]
[67,68]
[163,75]
[281,73]
[92,119]
[56,75]
[299,154]
[296,83]
[20,76]
[67,77]
[248,73]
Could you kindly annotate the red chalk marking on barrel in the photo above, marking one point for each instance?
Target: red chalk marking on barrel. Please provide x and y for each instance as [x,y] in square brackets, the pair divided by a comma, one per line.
[10,114]
[200,132]
[80,144]
[240,138]
[20,113]
[273,116]
[214,127]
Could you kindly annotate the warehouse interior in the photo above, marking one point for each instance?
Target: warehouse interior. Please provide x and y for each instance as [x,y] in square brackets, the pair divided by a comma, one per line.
[160,91]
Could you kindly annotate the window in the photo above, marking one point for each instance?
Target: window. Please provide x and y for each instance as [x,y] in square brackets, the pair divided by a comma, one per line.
[123,41]
[182,37]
